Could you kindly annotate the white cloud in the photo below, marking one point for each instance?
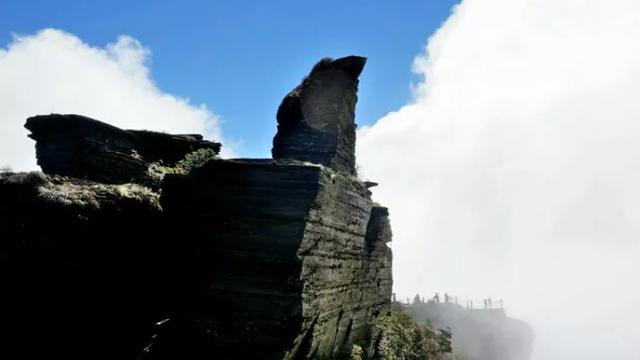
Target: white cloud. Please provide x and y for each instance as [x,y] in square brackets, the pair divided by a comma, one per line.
[55,72]
[514,172]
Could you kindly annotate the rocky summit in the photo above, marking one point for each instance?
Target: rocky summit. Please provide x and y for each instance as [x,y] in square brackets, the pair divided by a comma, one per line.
[282,258]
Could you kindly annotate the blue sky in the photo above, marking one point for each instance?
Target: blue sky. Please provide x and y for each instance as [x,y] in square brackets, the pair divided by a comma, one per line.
[241,57]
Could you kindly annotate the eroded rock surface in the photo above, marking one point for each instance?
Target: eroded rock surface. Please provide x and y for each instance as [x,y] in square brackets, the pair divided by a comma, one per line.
[316,119]
[81,147]
[282,258]
[308,238]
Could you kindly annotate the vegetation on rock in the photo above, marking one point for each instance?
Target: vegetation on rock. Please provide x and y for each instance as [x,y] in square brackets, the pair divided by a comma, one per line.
[191,161]
[402,338]
[480,333]
[78,193]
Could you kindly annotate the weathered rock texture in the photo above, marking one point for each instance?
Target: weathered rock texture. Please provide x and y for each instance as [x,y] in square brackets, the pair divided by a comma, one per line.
[307,237]
[238,259]
[74,145]
[316,119]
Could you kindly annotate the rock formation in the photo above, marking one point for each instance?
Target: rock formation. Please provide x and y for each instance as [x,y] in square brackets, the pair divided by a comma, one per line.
[81,147]
[316,119]
[282,258]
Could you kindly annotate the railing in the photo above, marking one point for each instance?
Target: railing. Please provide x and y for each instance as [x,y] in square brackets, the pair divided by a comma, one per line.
[484,304]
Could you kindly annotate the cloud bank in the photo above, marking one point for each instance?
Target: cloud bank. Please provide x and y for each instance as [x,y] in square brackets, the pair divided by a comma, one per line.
[514,171]
[55,72]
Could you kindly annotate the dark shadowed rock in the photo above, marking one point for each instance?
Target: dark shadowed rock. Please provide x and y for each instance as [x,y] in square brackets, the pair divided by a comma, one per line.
[282,258]
[169,148]
[316,119]
[301,240]
[85,264]
[81,147]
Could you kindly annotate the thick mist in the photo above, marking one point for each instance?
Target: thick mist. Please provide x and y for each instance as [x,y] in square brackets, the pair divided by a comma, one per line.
[514,172]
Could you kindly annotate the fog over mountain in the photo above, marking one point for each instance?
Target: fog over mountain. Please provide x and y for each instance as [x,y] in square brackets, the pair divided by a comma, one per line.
[513,172]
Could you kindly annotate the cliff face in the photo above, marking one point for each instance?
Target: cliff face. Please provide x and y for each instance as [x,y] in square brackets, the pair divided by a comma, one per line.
[303,244]
[244,258]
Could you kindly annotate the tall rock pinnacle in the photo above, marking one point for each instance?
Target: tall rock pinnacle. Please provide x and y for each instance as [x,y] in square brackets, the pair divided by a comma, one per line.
[316,119]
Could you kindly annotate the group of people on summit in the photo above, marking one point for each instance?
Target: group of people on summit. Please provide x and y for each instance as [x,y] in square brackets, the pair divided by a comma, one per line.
[448,299]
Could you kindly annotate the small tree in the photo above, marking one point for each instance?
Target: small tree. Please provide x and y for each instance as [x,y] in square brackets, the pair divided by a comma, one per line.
[356,352]
[417,300]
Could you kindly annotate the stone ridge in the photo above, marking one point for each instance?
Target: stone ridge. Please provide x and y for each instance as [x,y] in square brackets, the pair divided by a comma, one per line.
[316,119]
[81,147]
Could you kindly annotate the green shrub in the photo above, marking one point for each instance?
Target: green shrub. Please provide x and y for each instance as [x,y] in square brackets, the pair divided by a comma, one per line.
[189,162]
[196,159]
[356,352]
[402,338]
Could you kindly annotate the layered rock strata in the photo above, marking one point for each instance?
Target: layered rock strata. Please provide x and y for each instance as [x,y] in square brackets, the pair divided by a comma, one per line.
[308,238]
[302,227]
[316,119]
[81,147]
[282,258]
